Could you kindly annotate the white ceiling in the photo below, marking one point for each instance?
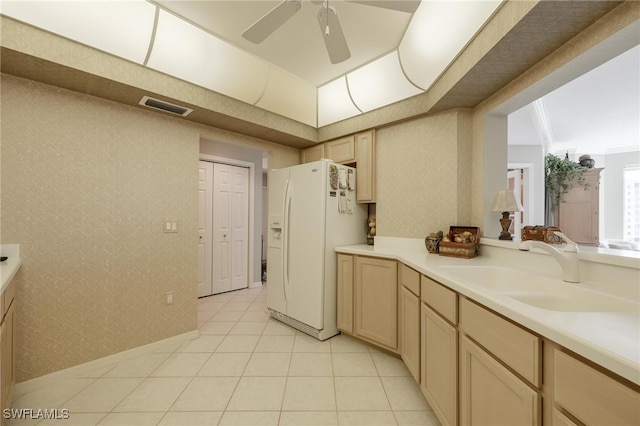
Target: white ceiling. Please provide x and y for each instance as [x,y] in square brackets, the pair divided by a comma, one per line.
[297,46]
[597,113]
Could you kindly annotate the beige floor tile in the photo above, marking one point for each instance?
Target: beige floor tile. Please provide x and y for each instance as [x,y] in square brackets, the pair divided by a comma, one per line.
[404,394]
[309,393]
[388,365]
[257,307]
[416,418]
[258,394]
[344,343]
[52,396]
[275,328]
[353,364]
[366,418]
[227,316]
[275,344]
[140,366]
[217,327]
[181,365]
[250,418]
[360,393]
[204,316]
[236,306]
[268,364]
[304,343]
[130,419]
[225,364]
[248,327]
[238,343]
[75,419]
[102,395]
[204,343]
[222,297]
[211,306]
[154,394]
[205,418]
[206,394]
[254,316]
[311,364]
[309,418]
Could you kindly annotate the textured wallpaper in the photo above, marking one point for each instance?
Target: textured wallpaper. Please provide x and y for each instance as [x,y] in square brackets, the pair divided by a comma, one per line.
[86,186]
[423,175]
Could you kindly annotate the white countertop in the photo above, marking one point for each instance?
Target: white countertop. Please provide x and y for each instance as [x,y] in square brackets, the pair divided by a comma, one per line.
[610,339]
[9,267]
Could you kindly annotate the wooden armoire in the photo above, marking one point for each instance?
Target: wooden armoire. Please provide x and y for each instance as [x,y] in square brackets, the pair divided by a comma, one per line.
[578,214]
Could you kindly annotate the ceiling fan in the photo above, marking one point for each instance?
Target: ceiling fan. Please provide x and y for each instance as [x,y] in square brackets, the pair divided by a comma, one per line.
[328,21]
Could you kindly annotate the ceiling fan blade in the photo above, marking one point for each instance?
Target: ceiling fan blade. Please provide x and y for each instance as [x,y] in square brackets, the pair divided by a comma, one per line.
[265,26]
[409,6]
[333,36]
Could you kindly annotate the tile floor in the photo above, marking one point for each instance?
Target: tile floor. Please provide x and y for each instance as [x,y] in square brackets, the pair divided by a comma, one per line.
[244,369]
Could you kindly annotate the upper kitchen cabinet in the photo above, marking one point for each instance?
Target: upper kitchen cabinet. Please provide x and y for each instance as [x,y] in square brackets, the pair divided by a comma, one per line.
[313,153]
[341,150]
[358,150]
[366,167]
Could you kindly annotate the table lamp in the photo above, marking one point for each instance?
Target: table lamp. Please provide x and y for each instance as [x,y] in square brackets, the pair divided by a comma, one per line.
[505,202]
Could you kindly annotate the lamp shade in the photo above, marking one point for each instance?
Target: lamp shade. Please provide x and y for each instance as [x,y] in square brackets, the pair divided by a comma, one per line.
[505,201]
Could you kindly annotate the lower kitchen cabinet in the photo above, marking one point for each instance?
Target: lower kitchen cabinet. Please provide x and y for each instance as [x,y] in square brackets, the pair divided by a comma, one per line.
[376,301]
[345,293]
[7,348]
[490,394]
[439,382]
[409,331]
[591,396]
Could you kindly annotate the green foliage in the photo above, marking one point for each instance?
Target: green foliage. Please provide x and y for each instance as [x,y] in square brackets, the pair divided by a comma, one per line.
[559,176]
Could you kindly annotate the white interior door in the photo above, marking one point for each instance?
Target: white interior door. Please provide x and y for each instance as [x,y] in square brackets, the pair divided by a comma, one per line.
[230,227]
[205,224]
[515,183]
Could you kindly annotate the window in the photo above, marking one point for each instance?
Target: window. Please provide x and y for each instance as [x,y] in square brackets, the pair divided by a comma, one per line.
[631,181]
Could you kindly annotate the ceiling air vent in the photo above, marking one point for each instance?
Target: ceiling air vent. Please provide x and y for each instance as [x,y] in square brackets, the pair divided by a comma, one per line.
[165,106]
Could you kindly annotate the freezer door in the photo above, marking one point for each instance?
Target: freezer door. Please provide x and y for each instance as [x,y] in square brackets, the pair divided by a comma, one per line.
[278,180]
[304,242]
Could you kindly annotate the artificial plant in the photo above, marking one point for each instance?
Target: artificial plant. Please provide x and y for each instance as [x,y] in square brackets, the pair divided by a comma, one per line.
[560,173]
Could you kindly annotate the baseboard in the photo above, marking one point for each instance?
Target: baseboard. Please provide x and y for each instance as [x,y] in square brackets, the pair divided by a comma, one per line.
[82,369]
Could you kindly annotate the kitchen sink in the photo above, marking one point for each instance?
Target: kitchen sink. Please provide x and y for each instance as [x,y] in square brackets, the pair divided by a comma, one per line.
[542,292]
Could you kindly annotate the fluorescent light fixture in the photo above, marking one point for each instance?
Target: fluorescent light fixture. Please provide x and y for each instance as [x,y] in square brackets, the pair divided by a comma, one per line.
[334,102]
[380,83]
[437,33]
[289,96]
[187,52]
[122,28]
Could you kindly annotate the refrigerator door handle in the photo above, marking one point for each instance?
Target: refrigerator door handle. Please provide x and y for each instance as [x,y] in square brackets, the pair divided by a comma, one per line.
[285,237]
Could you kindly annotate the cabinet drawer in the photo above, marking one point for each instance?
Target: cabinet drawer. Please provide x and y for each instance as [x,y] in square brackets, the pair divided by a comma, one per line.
[7,297]
[440,298]
[592,396]
[410,279]
[513,345]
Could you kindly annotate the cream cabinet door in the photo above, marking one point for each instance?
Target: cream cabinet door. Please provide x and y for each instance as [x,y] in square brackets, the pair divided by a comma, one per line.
[492,395]
[409,331]
[345,292]
[313,153]
[341,150]
[439,383]
[366,167]
[376,301]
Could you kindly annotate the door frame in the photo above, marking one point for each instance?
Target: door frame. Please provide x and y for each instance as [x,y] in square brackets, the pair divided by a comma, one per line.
[251,224]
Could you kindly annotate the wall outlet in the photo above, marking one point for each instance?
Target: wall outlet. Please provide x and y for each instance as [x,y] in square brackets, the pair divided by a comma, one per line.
[169,298]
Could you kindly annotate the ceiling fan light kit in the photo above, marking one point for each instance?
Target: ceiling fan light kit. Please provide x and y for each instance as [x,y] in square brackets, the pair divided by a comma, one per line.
[330,27]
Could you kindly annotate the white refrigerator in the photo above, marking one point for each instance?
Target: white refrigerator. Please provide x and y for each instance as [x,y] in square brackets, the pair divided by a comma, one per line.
[312,209]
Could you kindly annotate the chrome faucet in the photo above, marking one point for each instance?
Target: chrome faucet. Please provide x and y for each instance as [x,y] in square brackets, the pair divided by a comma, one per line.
[567,258]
